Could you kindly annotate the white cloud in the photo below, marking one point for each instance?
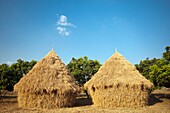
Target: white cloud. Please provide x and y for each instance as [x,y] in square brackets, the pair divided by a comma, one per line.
[63,21]
[63,31]
[63,25]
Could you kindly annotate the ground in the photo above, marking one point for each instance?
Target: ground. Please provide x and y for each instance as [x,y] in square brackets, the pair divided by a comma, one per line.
[159,102]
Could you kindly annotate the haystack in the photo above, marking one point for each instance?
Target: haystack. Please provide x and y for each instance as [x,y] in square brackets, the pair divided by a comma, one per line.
[118,84]
[48,85]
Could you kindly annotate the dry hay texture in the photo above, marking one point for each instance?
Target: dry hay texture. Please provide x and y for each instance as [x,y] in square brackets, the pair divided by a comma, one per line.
[118,84]
[48,85]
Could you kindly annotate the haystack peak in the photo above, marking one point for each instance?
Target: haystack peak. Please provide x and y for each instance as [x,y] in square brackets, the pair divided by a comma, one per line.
[117,53]
[116,56]
[52,53]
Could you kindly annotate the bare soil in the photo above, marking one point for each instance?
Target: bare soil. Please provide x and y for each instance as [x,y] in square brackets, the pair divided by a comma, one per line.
[159,102]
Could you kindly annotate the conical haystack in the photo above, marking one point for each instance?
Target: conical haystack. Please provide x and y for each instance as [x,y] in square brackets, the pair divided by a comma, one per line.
[47,85]
[118,84]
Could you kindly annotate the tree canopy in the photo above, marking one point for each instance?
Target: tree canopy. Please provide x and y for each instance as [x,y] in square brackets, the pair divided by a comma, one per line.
[10,75]
[157,70]
[83,68]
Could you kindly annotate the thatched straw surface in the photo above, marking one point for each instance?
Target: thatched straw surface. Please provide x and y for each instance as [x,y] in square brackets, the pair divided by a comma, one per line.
[47,85]
[118,84]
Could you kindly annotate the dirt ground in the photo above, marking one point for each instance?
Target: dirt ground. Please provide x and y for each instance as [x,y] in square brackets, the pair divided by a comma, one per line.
[159,102]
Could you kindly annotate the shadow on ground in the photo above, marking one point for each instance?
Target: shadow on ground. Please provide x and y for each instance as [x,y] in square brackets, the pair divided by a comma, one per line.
[157,98]
[153,100]
[83,102]
[8,99]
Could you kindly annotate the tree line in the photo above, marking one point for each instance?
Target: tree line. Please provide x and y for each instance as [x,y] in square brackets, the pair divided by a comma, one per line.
[157,70]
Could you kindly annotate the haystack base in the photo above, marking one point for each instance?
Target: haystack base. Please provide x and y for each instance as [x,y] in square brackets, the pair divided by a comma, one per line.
[119,96]
[46,100]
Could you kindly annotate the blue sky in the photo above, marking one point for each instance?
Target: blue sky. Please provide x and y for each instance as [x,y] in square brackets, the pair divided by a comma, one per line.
[76,28]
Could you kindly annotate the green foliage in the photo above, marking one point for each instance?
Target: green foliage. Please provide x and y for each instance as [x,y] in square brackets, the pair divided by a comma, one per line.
[157,70]
[144,66]
[160,73]
[10,75]
[83,69]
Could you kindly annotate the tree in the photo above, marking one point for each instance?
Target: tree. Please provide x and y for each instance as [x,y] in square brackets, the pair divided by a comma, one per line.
[3,78]
[83,69]
[166,54]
